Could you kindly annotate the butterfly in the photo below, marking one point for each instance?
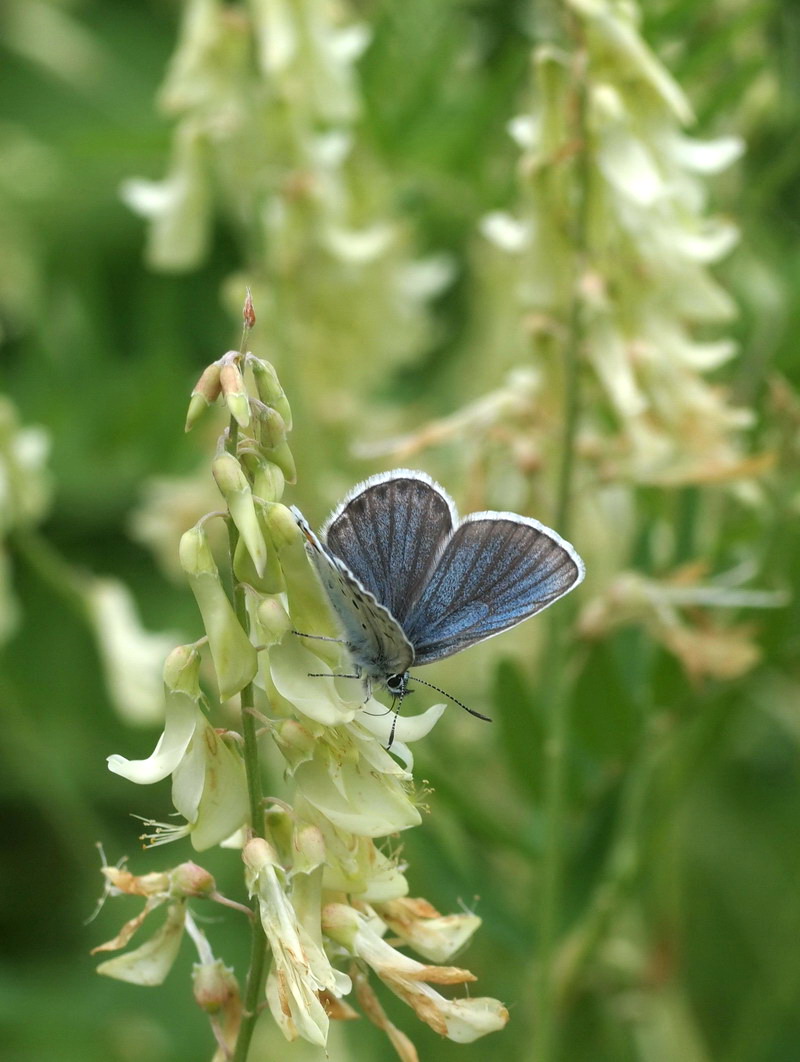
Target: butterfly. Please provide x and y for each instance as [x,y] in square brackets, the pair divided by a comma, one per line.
[411,583]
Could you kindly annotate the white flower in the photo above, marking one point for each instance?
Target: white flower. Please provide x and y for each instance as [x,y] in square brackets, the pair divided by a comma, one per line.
[505,231]
[462,1020]
[420,925]
[133,657]
[209,788]
[177,207]
[24,480]
[359,246]
[150,963]
[348,778]
[300,968]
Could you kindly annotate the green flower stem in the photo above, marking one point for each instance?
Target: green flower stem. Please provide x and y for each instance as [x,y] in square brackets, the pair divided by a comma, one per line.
[621,867]
[51,567]
[557,722]
[258,941]
[254,988]
[559,683]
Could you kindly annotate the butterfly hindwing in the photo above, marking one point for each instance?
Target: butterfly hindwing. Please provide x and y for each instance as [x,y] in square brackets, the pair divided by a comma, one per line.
[390,532]
[375,639]
[496,570]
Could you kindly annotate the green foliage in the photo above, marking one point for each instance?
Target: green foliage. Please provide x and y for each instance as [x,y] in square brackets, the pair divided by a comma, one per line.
[679,910]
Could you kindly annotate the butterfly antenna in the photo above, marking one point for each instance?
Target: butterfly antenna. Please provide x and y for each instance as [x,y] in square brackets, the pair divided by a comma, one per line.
[394,727]
[430,685]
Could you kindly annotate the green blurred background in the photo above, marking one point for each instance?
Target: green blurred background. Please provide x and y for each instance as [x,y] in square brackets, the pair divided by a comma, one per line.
[690,821]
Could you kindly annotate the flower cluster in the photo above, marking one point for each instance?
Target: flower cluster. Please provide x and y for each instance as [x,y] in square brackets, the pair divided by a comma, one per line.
[603,149]
[596,287]
[611,224]
[325,889]
[266,101]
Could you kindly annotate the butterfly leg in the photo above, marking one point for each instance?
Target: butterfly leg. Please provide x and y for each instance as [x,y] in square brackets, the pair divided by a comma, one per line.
[319,637]
[331,674]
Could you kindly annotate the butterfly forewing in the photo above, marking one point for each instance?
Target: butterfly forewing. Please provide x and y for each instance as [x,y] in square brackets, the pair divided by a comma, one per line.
[496,570]
[374,638]
[390,533]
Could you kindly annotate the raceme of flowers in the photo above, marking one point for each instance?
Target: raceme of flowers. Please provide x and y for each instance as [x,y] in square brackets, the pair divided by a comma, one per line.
[606,251]
[326,888]
[266,102]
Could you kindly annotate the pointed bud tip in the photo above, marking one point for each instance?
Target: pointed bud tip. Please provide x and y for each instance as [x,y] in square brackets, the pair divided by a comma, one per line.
[234,392]
[194,552]
[198,404]
[248,311]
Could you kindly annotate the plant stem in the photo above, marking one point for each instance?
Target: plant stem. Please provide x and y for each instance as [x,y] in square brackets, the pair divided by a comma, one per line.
[253,989]
[258,941]
[559,682]
[557,733]
[51,567]
[621,866]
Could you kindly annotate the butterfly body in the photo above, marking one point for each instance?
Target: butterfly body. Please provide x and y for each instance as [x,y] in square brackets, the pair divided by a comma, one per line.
[410,583]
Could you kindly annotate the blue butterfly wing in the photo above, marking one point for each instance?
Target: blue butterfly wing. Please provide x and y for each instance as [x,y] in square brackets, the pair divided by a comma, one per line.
[390,532]
[496,570]
[374,638]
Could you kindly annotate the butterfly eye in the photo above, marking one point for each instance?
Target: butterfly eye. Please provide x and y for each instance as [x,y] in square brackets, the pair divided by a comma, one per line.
[396,684]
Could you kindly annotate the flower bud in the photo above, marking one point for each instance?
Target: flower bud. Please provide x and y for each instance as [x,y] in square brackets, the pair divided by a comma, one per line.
[189,879]
[273,620]
[233,389]
[235,489]
[309,849]
[308,605]
[340,923]
[268,481]
[259,854]
[235,658]
[206,392]
[283,457]
[283,529]
[269,389]
[271,427]
[214,986]
[270,581]
[182,670]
